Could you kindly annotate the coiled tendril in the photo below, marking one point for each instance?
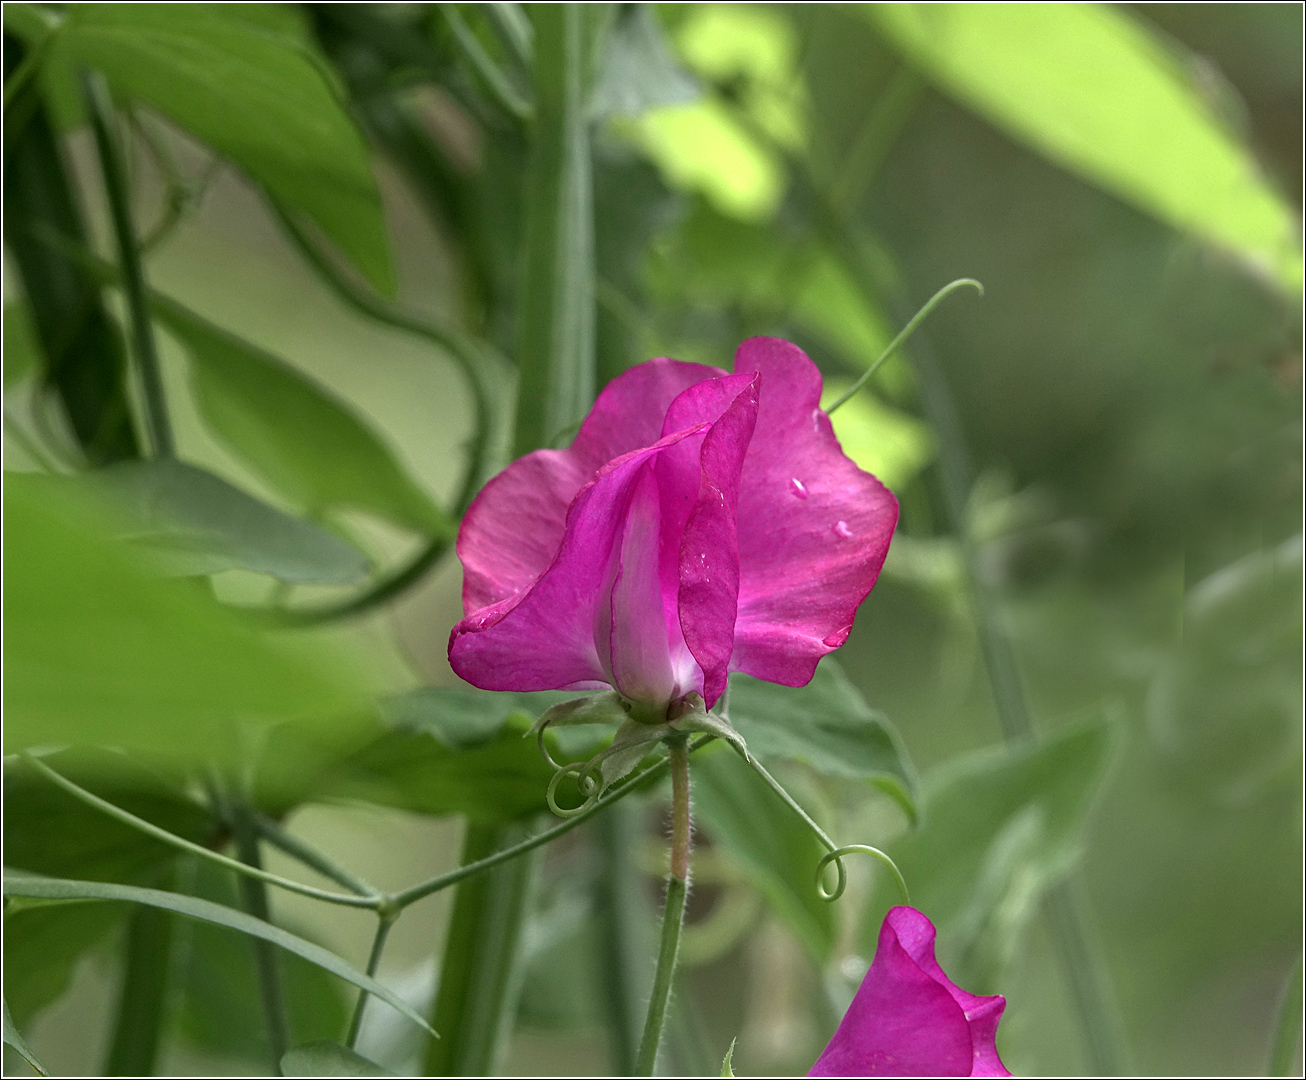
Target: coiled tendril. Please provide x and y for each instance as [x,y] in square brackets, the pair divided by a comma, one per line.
[835,855]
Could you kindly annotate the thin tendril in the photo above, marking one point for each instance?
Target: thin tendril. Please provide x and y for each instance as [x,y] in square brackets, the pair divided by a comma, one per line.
[906,332]
[836,857]
[590,787]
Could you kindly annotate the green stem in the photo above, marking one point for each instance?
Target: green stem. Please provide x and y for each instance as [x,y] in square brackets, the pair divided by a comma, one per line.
[142,1000]
[254,894]
[293,846]
[1287,1032]
[674,914]
[162,835]
[480,970]
[100,108]
[383,925]
[500,86]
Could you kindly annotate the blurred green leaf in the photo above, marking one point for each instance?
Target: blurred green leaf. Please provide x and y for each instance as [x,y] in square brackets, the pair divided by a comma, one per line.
[300,438]
[462,751]
[47,831]
[998,827]
[636,69]
[42,946]
[14,1038]
[325,1058]
[100,651]
[1091,89]
[197,523]
[827,725]
[219,990]
[22,353]
[206,911]
[256,97]
[776,852]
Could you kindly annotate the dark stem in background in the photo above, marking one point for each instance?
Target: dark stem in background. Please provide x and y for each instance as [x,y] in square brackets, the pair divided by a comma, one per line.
[622,915]
[142,1000]
[82,349]
[674,914]
[254,895]
[100,109]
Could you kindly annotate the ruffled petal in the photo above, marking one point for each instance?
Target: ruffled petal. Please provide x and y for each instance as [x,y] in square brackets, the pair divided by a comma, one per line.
[902,1021]
[548,636]
[814,528]
[511,532]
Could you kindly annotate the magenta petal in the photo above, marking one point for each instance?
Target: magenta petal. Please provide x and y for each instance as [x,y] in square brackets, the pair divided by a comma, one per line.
[546,637]
[512,530]
[902,1021]
[814,529]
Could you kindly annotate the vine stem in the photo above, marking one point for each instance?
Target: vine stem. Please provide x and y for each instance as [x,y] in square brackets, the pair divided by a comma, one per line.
[254,893]
[674,915]
[100,108]
[384,922]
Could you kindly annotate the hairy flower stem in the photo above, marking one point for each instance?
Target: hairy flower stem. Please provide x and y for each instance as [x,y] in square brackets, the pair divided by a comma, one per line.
[674,915]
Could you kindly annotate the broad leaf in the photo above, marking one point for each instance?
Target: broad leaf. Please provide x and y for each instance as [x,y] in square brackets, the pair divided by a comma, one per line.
[463,751]
[772,847]
[325,1058]
[209,912]
[14,1038]
[259,98]
[1089,88]
[999,826]
[827,725]
[42,946]
[99,651]
[197,523]
[295,434]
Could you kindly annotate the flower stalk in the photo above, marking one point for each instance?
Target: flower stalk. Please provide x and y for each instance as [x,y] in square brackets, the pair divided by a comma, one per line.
[674,914]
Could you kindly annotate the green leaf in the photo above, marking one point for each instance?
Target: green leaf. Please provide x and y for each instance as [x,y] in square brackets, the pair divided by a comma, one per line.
[1089,88]
[47,831]
[325,1058]
[100,651]
[22,352]
[218,986]
[772,847]
[42,946]
[197,523]
[217,914]
[14,1038]
[999,827]
[827,725]
[636,68]
[726,1069]
[259,98]
[463,751]
[295,434]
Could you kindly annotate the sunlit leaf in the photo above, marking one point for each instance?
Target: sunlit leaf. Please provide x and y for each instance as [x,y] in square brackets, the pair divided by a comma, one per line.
[827,725]
[98,650]
[1088,87]
[258,98]
[300,438]
[206,911]
[776,852]
[196,523]
[325,1058]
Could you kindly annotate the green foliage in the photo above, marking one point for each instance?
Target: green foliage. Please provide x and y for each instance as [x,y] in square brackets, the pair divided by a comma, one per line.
[773,848]
[325,1058]
[297,436]
[999,827]
[21,351]
[99,651]
[1095,92]
[260,99]
[827,725]
[14,1038]
[42,946]
[16,885]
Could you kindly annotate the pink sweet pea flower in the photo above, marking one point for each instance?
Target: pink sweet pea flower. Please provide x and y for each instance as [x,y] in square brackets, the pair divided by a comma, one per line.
[700,523]
[909,1019]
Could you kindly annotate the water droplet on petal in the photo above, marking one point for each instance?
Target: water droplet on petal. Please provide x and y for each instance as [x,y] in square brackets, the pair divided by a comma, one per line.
[841,529]
[833,641]
[797,489]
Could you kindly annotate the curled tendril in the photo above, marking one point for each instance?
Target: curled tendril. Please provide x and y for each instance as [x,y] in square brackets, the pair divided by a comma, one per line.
[836,856]
[539,741]
[589,779]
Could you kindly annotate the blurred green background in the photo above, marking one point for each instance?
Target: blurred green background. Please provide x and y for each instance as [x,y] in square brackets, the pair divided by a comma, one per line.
[1130,399]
